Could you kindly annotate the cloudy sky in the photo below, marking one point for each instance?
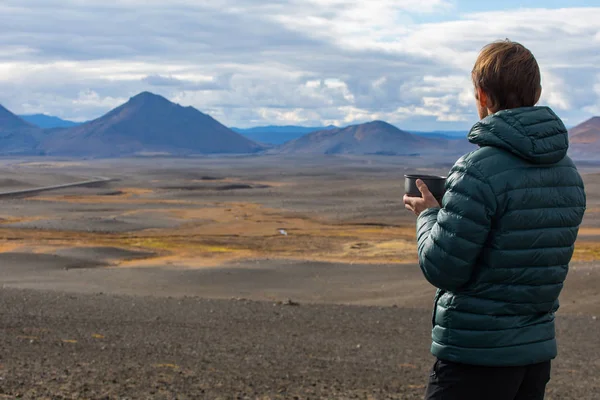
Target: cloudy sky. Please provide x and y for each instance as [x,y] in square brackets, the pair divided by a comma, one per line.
[302,62]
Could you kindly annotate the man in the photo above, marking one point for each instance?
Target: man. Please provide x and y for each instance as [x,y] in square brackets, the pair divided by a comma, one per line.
[499,247]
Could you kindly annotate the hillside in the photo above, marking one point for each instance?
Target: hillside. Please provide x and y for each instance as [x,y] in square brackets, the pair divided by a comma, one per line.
[276,135]
[587,132]
[16,135]
[375,137]
[585,140]
[451,135]
[47,121]
[148,123]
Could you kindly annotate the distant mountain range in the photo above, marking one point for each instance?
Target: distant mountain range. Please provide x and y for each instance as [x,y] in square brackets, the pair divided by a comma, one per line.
[375,137]
[276,135]
[146,124]
[47,121]
[150,124]
[452,135]
[18,136]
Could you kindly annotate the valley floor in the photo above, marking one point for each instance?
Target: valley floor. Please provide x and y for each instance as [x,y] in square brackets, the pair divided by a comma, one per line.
[175,282]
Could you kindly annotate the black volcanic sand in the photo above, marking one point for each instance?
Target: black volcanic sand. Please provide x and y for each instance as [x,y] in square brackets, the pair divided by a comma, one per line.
[259,280]
[39,264]
[106,254]
[70,346]
[177,345]
[98,221]
[154,333]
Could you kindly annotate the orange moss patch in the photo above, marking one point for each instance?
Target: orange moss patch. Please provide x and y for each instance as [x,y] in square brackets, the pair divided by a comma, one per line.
[8,247]
[586,251]
[130,192]
[584,231]
[592,210]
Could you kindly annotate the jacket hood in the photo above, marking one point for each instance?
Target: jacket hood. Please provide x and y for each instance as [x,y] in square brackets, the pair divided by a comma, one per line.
[535,134]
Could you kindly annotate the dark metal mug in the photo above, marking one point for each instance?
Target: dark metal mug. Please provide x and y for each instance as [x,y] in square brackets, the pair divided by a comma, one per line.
[436,185]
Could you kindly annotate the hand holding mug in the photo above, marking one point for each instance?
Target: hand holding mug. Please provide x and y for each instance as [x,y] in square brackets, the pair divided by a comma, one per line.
[420,204]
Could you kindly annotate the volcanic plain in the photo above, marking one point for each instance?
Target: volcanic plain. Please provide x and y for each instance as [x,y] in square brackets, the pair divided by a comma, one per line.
[256,277]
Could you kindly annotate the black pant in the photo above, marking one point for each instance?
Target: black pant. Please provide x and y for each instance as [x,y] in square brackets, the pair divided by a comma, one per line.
[453,381]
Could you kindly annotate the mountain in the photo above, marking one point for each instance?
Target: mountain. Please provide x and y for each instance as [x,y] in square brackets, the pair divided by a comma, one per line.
[17,136]
[47,121]
[584,140]
[451,135]
[277,134]
[375,137]
[282,129]
[148,123]
[587,132]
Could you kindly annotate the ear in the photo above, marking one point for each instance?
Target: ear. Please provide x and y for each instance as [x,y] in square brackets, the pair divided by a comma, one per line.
[538,95]
[482,98]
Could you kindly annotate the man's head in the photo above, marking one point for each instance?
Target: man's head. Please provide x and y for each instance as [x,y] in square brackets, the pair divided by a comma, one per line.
[506,75]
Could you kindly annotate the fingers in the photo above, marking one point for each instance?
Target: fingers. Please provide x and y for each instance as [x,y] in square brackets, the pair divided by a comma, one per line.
[424,190]
[412,209]
[419,204]
[408,203]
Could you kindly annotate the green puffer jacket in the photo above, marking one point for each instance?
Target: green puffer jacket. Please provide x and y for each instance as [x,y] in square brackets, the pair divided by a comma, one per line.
[499,248]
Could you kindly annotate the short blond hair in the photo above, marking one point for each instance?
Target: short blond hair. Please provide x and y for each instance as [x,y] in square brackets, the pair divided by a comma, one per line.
[508,74]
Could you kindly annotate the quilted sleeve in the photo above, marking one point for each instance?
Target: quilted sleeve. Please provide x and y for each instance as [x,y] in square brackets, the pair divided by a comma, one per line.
[450,239]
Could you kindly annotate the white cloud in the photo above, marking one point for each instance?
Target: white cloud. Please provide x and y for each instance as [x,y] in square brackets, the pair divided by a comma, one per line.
[555,92]
[89,97]
[252,62]
[594,108]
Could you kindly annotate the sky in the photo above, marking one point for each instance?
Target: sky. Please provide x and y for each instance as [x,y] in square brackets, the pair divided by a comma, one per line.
[290,62]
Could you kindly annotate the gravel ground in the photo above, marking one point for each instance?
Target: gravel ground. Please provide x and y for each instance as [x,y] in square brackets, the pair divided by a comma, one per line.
[66,346]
